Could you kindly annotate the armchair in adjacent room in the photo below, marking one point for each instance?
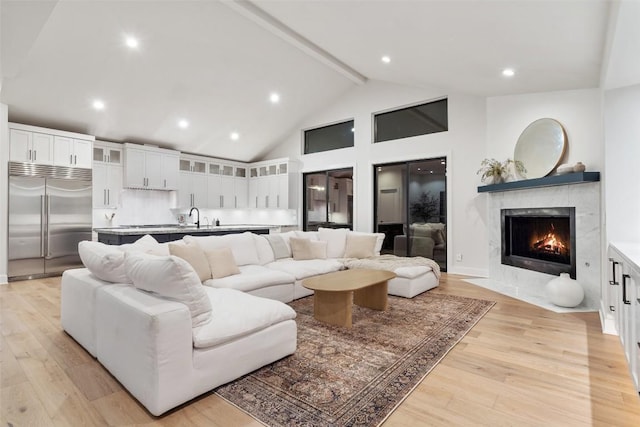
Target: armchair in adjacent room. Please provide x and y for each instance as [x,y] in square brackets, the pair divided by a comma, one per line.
[428,240]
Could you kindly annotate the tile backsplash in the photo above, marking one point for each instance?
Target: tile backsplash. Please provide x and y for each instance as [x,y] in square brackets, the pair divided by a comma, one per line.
[141,207]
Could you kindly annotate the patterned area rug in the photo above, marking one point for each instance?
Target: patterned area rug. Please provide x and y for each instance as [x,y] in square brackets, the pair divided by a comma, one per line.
[357,376]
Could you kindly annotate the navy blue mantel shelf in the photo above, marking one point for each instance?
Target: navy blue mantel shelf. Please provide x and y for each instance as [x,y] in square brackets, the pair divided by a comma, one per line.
[547,181]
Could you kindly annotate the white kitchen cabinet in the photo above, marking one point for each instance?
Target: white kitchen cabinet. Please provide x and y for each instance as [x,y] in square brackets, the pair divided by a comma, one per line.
[30,147]
[107,185]
[107,152]
[170,170]
[227,188]
[270,185]
[192,191]
[150,168]
[72,152]
[624,297]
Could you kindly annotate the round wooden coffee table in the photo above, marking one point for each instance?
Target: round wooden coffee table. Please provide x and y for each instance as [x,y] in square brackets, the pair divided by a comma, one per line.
[335,293]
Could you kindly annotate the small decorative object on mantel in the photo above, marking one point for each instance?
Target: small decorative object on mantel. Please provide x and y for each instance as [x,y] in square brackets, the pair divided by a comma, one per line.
[563,291]
[564,169]
[579,167]
[495,172]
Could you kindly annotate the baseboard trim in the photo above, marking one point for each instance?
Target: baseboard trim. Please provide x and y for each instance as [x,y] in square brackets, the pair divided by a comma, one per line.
[607,322]
[469,271]
[4,280]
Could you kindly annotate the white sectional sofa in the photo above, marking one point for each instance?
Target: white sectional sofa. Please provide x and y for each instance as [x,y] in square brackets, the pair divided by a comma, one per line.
[146,316]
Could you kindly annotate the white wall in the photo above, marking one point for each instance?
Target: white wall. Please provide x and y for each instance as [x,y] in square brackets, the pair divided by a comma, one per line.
[579,111]
[463,145]
[622,136]
[4,188]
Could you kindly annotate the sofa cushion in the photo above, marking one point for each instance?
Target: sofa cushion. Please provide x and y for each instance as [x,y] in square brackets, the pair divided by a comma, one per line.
[304,249]
[252,277]
[278,246]
[303,269]
[146,244]
[336,241]
[195,256]
[236,315]
[360,246]
[242,246]
[221,263]
[265,252]
[172,278]
[106,262]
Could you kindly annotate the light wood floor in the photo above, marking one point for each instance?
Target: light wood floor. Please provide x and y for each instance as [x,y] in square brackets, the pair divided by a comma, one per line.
[520,365]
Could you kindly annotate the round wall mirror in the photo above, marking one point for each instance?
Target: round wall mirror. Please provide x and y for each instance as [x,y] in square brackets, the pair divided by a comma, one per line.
[540,147]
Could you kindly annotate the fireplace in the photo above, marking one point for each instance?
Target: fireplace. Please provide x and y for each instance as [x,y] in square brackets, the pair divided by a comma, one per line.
[540,239]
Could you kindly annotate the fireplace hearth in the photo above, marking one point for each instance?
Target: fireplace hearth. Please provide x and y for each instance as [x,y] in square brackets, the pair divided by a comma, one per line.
[539,239]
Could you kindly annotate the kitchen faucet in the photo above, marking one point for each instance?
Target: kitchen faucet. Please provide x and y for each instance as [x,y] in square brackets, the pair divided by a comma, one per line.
[198,212]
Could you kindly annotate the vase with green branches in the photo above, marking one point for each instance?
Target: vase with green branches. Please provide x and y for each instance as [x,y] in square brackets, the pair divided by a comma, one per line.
[493,171]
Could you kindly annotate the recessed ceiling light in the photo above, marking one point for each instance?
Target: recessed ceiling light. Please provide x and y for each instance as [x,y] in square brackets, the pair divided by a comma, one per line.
[183,123]
[131,42]
[98,104]
[234,136]
[386,59]
[442,162]
[508,72]
[274,98]
[430,171]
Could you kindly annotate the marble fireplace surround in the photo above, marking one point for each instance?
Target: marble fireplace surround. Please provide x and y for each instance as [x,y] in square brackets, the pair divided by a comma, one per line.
[530,285]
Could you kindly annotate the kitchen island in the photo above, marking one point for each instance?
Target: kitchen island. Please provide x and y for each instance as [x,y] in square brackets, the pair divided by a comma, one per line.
[170,232]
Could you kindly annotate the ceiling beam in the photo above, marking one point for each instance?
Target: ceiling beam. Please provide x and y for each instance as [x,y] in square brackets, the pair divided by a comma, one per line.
[250,11]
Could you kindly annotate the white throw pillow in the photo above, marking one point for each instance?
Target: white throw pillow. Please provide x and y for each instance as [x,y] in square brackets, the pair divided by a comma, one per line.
[304,249]
[195,256]
[336,241]
[379,241]
[106,262]
[360,246]
[172,278]
[242,246]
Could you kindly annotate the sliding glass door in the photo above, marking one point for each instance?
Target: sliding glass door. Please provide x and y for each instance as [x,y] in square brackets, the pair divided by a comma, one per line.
[328,199]
[410,208]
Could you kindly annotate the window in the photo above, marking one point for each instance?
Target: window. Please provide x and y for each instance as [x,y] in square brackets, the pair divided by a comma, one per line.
[327,138]
[422,119]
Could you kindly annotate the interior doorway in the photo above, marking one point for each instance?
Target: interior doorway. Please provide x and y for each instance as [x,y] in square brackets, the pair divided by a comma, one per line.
[410,200]
[328,199]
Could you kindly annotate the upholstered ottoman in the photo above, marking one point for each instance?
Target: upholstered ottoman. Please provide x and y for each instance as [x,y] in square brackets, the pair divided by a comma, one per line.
[413,275]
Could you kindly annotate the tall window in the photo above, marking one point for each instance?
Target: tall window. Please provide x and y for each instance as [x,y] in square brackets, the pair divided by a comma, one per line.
[422,119]
[328,199]
[332,137]
[410,208]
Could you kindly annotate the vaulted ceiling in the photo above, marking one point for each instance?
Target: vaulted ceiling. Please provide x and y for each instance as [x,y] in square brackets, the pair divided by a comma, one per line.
[216,63]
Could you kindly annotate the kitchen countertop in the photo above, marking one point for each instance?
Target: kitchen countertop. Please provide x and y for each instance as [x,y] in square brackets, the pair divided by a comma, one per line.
[170,228]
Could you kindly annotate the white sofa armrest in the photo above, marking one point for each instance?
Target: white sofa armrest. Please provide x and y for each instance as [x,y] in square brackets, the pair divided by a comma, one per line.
[146,343]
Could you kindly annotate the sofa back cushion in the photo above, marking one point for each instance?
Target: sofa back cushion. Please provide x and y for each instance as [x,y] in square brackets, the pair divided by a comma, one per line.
[106,262]
[336,241]
[242,246]
[195,256]
[172,278]
[146,244]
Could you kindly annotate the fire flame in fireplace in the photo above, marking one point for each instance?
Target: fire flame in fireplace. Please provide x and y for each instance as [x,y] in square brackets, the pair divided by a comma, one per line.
[549,243]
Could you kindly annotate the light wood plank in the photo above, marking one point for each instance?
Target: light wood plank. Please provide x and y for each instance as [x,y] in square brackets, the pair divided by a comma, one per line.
[520,365]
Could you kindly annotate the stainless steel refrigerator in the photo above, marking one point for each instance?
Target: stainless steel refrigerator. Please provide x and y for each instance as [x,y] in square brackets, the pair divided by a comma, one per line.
[50,211]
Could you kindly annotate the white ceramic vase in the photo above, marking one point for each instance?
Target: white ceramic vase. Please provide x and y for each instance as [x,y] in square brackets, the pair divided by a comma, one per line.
[563,291]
